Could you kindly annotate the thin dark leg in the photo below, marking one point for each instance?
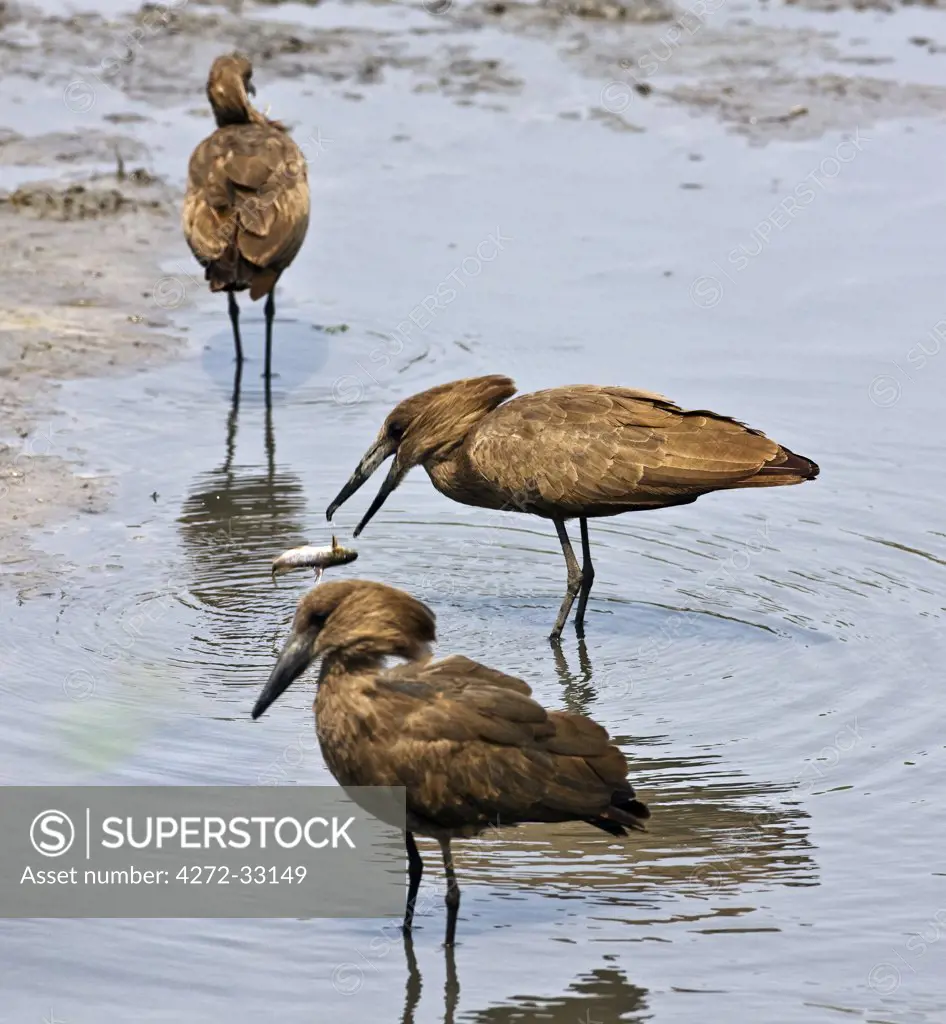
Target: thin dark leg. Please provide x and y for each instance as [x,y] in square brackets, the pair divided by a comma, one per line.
[452,899]
[587,578]
[574,579]
[584,662]
[579,691]
[235,321]
[414,984]
[451,988]
[233,418]
[270,311]
[415,870]
[561,667]
[269,433]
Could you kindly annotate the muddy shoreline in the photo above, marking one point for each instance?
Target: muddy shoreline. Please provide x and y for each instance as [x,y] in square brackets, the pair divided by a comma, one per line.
[81,257]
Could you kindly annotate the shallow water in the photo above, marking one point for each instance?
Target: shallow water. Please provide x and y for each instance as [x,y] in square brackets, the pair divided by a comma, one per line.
[768,660]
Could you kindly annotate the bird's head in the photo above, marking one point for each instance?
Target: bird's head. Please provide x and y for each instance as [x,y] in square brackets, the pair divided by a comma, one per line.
[353,620]
[229,87]
[422,429]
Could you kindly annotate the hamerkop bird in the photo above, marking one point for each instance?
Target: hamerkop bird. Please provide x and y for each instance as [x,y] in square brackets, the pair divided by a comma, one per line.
[246,210]
[573,452]
[468,743]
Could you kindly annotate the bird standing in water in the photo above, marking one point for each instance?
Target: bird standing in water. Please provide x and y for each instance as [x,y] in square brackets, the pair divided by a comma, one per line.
[246,209]
[581,451]
[469,744]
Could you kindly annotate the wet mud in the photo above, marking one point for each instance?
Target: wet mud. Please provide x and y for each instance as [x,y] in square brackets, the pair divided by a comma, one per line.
[76,298]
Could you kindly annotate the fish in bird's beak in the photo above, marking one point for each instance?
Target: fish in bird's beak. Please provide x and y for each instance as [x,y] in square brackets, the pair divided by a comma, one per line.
[294,659]
[382,449]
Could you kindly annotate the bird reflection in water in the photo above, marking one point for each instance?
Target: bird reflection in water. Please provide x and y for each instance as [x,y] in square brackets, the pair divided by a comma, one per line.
[578,691]
[719,829]
[232,522]
[601,996]
[415,983]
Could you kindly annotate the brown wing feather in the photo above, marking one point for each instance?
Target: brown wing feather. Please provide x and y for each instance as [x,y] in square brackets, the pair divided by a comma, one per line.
[473,747]
[588,450]
[457,666]
[246,210]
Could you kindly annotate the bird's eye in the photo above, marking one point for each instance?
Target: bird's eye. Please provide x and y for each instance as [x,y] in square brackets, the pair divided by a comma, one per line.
[395,431]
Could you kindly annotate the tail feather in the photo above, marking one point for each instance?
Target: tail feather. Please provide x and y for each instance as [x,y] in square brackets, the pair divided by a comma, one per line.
[784,468]
[226,272]
[233,272]
[626,812]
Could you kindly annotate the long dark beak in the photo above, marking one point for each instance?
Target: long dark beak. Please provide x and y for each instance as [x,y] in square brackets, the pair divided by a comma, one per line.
[251,88]
[394,477]
[294,659]
[373,457]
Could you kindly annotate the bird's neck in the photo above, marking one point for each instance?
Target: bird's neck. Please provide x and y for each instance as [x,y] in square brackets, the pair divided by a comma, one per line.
[455,479]
[226,116]
[370,657]
[443,470]
[340,664]
[239,110]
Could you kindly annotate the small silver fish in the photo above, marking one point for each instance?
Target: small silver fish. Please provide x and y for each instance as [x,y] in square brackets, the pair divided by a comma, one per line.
[308,557]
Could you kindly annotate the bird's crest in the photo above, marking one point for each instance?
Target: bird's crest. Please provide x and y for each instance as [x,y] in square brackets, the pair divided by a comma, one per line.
[440,418]
[359,618]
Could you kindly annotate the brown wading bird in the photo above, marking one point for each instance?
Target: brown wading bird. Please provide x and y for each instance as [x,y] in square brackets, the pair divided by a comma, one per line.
[468,743]
[246,210]
[573,452]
